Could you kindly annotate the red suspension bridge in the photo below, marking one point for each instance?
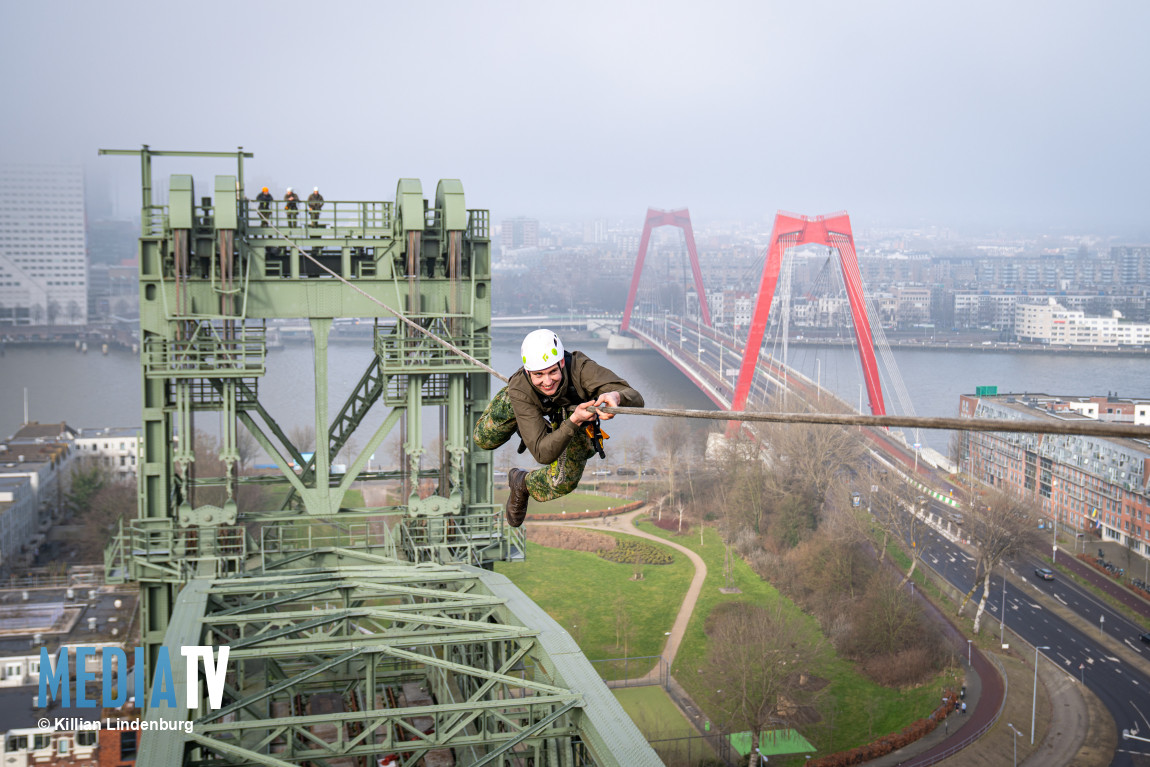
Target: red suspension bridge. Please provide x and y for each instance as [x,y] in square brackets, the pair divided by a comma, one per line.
[726,361]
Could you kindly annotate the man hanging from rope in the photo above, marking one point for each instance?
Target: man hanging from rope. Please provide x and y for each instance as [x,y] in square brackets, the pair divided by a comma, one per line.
[548,401]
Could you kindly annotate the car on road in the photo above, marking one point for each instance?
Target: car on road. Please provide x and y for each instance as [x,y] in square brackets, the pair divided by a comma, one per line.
[955,517]
[650,472]
[1045,573]
[601,473]
[1145,637]
[623,471]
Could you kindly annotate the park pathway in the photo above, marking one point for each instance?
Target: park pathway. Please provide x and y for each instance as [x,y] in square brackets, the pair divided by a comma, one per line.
[626,523]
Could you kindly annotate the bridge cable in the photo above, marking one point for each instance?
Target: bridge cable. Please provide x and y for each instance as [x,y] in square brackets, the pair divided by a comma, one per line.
[1097,429]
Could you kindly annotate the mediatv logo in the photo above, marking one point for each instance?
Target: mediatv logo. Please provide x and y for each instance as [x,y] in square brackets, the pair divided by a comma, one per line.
[55,677]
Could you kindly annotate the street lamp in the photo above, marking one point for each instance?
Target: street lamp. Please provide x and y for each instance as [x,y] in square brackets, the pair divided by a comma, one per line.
[968,651]
[1034,695]
[1016,734]
[1002,617]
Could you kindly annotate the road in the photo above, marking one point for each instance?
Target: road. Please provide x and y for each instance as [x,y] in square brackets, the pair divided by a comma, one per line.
[1118,676]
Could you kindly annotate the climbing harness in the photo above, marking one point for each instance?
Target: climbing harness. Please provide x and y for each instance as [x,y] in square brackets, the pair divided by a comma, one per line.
[596,435]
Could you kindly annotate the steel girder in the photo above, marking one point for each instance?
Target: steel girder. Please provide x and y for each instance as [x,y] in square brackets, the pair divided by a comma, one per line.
[345,665]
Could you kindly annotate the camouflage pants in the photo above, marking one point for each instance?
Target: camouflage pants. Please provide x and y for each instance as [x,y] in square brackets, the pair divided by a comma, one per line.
[497,425]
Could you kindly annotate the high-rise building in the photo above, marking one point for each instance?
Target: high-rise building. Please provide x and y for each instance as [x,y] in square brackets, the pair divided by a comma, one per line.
[520,233]
[43,255]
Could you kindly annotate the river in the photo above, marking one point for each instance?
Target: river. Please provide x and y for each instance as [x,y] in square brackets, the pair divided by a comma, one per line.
[95,390]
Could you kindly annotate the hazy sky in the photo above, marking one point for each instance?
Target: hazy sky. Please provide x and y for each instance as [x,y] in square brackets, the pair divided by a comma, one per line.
[1010,114]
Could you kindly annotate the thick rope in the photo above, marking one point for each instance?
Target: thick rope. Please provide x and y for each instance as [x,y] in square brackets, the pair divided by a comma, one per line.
[398,315]
[1085,428]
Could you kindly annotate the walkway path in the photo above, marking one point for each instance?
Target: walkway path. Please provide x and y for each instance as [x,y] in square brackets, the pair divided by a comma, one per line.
[679,629]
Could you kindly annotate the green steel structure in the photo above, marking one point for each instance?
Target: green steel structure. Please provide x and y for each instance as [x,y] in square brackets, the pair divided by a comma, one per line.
[357,636]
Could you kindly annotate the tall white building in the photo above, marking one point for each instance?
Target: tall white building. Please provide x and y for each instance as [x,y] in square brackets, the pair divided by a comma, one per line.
[43,255]
[1052,323]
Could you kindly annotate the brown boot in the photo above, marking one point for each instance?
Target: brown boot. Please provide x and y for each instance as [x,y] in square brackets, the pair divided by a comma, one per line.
[517,501]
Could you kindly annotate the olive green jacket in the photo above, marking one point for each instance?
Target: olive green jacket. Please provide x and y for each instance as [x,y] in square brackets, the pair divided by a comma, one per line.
[583,381]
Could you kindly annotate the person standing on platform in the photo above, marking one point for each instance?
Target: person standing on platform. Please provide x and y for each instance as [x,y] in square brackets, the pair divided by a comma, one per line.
[264,198]
[314,203]
[291,205]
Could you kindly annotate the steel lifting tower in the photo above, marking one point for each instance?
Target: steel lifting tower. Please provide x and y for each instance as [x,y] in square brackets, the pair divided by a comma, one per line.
[353,641]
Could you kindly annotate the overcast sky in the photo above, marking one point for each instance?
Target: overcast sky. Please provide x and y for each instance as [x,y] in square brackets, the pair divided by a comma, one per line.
[1018,115]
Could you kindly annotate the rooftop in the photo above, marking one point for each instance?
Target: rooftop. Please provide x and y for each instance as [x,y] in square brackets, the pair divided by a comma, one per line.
[34,430]
[35,617]
[109,431]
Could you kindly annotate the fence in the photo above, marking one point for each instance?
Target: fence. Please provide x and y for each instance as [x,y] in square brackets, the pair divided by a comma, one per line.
[617,672]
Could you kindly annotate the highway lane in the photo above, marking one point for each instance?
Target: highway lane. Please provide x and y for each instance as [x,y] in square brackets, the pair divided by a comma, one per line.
[1123,687]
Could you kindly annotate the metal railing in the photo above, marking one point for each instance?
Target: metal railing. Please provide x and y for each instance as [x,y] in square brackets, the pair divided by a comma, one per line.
[150,549]
[205,357]
[400,354]
[474,538]
[278,538]
[340,217]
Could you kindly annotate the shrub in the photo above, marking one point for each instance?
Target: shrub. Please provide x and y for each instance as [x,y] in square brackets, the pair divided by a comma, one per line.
[901,669]
[670,523]
[630,552]
[572,539]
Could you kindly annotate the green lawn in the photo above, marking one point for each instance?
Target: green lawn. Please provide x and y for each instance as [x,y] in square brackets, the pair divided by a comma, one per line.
[858,710]
[573,502]
[658,718]
[584,593]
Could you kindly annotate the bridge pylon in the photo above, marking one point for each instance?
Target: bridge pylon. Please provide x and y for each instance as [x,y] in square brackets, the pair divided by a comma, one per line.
[789,231]
[656,218]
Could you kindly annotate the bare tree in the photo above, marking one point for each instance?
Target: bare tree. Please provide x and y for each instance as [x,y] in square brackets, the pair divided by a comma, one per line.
[624,627]
[302,436]
[1001,528]
[745,480]
[248,449]
[809,459]
[759,659]
[640,448]
[893,505]
[671,435]
[914,510]
[114,501]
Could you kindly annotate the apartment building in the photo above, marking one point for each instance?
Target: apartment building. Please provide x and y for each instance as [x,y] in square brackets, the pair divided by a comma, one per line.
[43,255]
[1090,485]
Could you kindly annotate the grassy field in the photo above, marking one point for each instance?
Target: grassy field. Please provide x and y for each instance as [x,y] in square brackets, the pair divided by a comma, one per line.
[585,595]
[568,503]
[859,711]
[658,718]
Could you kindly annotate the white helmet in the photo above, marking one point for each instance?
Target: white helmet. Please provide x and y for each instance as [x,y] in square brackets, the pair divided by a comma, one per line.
[289,188]
[541,349]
